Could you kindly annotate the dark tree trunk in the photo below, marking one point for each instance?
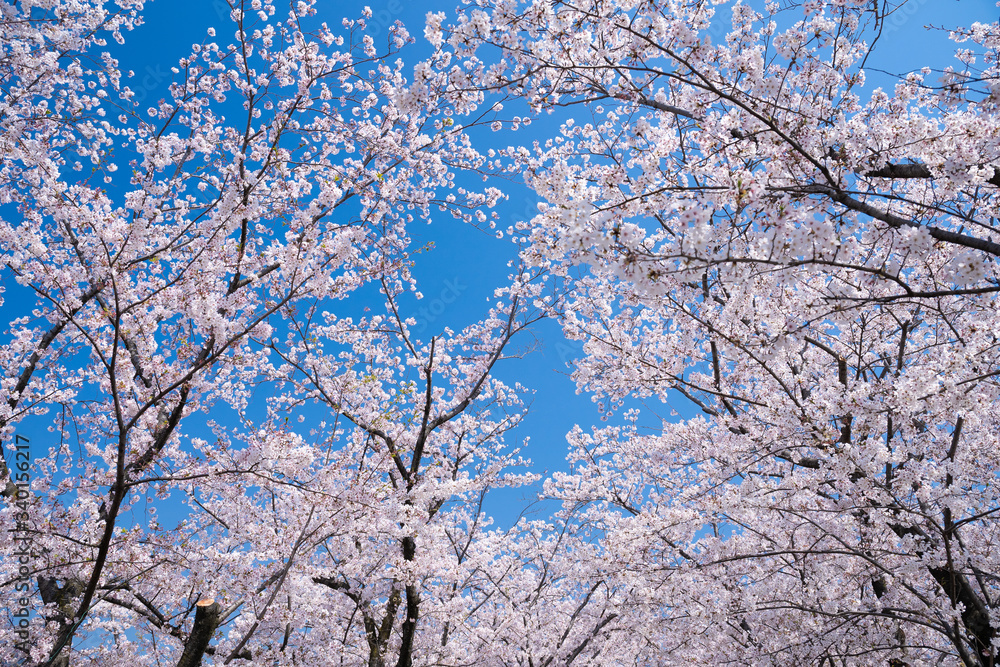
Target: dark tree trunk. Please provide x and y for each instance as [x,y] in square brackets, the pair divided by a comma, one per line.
[207,618]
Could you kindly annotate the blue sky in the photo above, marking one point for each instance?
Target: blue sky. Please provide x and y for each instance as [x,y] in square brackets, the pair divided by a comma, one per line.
[467,264]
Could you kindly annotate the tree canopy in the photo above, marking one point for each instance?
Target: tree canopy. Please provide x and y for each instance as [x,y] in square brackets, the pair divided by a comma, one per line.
[728,213]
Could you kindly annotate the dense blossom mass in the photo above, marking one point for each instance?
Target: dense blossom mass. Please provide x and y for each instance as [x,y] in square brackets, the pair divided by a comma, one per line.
[246,467]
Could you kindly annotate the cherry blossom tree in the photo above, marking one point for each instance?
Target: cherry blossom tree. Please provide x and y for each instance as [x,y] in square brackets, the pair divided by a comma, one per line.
[812,264]
[359,543]
[730,217]
[197,256]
